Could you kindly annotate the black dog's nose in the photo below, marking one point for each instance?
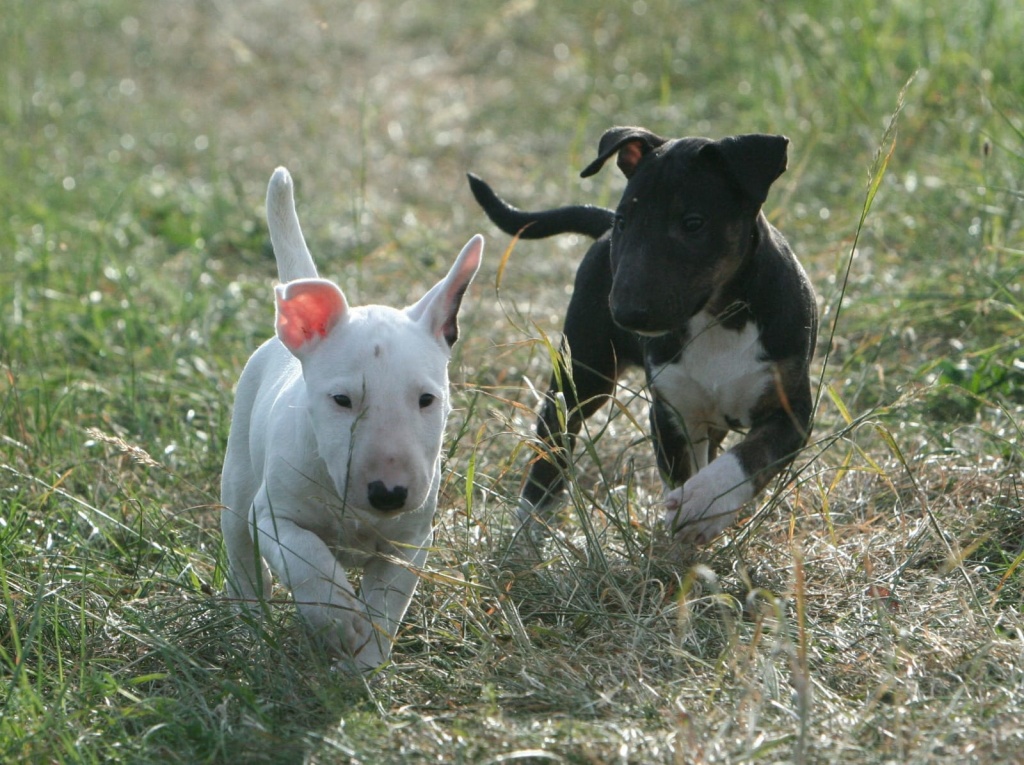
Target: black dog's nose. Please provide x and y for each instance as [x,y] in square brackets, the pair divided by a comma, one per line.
[383,498]
[632,317]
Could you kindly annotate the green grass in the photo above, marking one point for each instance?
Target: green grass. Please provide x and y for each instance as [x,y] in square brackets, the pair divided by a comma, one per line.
[871,609]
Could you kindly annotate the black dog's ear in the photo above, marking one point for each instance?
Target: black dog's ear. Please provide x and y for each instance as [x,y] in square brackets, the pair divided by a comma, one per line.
[754,161]
[632,143]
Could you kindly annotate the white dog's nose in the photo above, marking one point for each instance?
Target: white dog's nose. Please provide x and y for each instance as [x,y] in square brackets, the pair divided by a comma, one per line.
[385,499]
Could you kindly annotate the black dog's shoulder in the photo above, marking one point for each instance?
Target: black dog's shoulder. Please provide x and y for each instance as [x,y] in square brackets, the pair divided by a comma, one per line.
[782,299]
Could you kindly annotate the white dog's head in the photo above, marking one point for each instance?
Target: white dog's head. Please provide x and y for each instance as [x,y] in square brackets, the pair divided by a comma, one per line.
[376,379]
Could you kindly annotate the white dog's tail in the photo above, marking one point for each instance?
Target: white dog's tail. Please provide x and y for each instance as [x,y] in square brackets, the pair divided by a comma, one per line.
[293,258]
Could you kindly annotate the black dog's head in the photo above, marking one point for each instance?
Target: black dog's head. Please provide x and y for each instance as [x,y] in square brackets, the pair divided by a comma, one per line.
[687,221]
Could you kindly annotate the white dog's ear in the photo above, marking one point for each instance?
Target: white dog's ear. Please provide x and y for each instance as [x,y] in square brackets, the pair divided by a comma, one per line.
[307,309]
[290,251]
[439,308]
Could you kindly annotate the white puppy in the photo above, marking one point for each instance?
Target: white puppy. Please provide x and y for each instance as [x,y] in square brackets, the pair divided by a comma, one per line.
[333,460]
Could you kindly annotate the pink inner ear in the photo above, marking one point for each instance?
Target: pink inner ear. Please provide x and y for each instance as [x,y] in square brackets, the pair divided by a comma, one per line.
[629,156]
[307,310]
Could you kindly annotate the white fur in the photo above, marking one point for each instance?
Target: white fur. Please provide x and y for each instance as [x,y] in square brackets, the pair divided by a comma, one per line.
[299,464]
[704,506]
[721,373]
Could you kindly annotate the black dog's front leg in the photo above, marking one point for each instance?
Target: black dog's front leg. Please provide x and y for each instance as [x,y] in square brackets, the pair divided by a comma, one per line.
[599,352]
[671,446]
[709,501]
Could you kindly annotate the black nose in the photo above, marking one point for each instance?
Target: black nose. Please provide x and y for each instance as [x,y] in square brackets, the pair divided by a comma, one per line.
[633,317]
[383,498]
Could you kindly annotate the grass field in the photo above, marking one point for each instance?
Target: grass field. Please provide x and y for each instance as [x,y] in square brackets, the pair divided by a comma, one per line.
[869,610]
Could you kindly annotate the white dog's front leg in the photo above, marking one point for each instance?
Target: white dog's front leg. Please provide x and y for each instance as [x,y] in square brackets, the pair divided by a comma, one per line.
[387,589]
[704,506]
[322,593]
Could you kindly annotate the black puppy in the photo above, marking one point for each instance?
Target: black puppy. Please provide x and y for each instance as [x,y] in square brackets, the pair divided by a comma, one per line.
[689,280]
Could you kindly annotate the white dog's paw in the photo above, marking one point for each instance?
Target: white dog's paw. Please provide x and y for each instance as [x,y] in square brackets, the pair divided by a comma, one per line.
[339,621]
[246,599]
[373,654]
[707,504]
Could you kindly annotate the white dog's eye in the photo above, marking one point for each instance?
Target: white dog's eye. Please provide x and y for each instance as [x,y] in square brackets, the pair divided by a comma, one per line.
[426,400]
[343,401]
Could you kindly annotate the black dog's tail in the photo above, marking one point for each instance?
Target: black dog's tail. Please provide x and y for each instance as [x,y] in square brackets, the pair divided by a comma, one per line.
[576,219]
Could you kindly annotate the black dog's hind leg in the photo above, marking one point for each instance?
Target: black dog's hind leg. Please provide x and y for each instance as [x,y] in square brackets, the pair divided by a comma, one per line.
[599,352]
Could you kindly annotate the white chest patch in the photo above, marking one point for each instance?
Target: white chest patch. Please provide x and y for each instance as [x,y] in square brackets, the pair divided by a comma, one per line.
[718,378]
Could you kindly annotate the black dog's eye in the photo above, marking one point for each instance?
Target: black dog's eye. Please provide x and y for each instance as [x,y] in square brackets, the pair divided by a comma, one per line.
[426,400]
[693,223]
[619,223]
[343,401]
